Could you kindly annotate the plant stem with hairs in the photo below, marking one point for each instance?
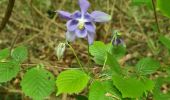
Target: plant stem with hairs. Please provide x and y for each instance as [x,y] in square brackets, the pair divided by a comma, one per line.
[78,61]
[14,41]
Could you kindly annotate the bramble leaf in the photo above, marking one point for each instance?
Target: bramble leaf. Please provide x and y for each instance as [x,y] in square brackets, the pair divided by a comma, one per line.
[163,6]
[20,53]
[165,41]
[4,53]
[38,83]
[129,87]
[113,64]
[99,51]
[71,81]
[8,70]
[147,66]
[158,93]
[149,84]
[103,91]
[117,51]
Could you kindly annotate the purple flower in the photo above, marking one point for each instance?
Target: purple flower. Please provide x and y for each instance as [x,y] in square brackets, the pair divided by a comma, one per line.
[81,24]
[117,40]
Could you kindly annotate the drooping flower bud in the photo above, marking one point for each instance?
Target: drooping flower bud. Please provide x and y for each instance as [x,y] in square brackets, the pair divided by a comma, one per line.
[117,39]
[60,49]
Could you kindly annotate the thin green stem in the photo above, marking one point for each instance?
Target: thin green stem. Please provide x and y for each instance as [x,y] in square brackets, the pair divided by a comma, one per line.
[89,63]
[14,41]
[106,56]
[78,61]
[104,64]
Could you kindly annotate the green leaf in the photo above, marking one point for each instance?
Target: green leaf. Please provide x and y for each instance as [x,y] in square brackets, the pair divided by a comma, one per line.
[118,51]
[157,92]
[20,53]
[4,53]
[165,41]
[99,51]
[38,83]
[149,84]
[8,70]
[163,6]
[71,81]
[147,66]
[103,91]
[113,64]
[129,87]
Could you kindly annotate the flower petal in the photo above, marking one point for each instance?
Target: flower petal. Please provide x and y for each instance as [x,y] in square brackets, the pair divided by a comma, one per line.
[81,33]
[64,14]
[88,17]
[91,37]
[84,5]
[70,36]
[100,16]
[76,15]
[118,41]
[90,27]
[72,25]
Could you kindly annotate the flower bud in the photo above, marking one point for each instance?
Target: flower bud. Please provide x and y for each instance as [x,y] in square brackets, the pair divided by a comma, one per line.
[60,50]
[117,39]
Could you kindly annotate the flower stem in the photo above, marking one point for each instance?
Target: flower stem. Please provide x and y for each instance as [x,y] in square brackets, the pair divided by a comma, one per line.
[89,63]
[104,64]
[78,61]
[106,56]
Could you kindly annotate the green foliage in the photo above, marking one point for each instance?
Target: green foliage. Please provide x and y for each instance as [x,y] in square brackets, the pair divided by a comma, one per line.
[148,84]
[20,54]
[4,53]
[157,92]
[8,70]
[9,67]
[113,64]
[129,87]
[163,6]
[165,41]
[147,66]
[38,83]
[71,81]
[132,87]
[103,91]
[117,51]
[98,50]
